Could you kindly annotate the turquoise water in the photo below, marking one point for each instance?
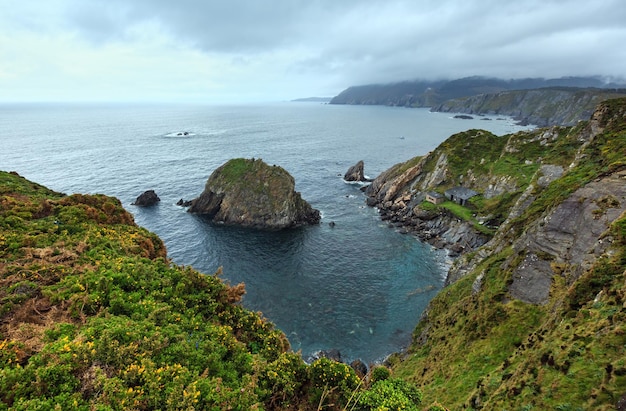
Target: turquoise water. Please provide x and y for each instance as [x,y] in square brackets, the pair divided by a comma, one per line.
[359,287]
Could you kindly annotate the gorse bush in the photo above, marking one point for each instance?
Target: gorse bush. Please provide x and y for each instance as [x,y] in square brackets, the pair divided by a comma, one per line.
[379,373]
[391,394]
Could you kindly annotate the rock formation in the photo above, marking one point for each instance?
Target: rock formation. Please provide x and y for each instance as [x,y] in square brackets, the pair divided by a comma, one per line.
[355,173]
[147,199]
[507,171]
[251,193]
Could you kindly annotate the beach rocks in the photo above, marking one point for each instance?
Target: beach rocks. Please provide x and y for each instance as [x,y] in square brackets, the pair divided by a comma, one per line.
[147,199]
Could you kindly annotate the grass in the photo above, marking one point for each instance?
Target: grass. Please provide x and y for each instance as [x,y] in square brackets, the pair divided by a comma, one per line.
[460,212]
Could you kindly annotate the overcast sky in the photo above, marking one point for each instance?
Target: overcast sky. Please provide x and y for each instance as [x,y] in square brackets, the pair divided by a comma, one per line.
[271,50]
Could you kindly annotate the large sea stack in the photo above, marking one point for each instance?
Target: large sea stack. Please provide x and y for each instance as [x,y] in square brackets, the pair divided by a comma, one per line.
[355,173]
[250,193]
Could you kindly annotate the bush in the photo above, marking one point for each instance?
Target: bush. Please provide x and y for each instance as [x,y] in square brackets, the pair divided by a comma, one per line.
[332,382]
[282,379]
[379,373]
[391,394]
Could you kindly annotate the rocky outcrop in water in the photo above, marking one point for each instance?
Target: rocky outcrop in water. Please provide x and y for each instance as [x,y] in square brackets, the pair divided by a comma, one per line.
[147,199]
[251,193]
[355,173]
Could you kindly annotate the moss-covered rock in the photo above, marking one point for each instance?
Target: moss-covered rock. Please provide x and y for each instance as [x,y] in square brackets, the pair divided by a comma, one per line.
[251,193]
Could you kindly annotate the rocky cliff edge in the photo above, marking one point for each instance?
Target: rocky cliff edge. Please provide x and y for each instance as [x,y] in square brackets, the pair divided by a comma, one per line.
[506,172]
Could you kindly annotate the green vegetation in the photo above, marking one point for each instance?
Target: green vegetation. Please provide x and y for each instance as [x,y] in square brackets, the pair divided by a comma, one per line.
[465,214]
[478,160]
[479,348]
[94,316]
[253,174]
[459,211]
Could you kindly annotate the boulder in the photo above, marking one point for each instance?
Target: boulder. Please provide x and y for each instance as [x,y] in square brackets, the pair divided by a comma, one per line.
[183,203]
[250,193]
[147,199]
[360,368]
[355,173]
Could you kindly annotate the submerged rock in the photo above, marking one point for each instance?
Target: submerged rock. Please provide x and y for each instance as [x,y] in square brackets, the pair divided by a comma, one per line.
[250,193]
[183,203]
[147,199]
[332,354]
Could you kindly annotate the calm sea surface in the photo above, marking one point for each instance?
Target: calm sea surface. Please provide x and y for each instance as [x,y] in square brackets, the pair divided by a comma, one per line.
[359,287]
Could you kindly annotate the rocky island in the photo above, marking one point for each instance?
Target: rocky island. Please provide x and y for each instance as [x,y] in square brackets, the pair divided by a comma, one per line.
[251,193]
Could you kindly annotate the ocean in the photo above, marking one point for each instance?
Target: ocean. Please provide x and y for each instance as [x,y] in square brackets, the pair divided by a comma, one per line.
[358,286]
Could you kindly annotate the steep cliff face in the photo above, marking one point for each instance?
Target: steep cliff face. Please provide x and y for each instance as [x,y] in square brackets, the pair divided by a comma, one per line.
[251,193]
[542,107]
[536,318]
[498,169]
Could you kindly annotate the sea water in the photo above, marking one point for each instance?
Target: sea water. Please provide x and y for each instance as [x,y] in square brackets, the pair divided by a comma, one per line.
[357,286]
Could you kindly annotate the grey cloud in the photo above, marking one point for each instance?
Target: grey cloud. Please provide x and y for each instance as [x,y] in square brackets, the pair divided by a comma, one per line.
[328,45]
[214,26]
[370,37]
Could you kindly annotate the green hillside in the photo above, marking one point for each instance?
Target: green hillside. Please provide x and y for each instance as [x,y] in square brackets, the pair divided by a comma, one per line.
[488,340]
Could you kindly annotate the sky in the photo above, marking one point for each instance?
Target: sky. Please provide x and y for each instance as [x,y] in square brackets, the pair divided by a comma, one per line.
[237,51]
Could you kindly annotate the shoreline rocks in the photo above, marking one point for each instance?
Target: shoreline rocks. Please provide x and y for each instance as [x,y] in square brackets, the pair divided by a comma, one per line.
[441,229]
[398,205]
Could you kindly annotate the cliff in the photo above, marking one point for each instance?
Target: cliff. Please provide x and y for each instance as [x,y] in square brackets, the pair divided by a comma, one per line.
[541,107]
[251,193]
[421,93]
[535,318]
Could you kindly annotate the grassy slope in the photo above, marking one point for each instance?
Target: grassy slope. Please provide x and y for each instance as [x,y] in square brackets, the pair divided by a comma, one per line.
[485,350]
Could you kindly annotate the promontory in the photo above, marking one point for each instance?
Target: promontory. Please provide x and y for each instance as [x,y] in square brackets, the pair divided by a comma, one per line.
[251,193]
